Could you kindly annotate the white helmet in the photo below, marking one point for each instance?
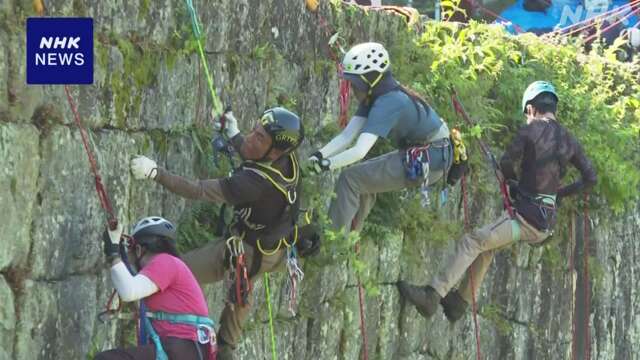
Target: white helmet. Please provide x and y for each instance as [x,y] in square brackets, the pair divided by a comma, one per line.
[156,226]
[365,58]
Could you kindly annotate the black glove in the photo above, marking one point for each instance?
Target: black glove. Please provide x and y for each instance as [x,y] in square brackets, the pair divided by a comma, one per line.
[317,164]
[309,241]
[110,249]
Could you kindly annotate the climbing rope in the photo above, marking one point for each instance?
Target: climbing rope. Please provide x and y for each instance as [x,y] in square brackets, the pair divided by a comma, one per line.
[217,104]
[467,226]
[344,89]
[273,336]
[459,109]
[592,21]
[112,221]
[614,24]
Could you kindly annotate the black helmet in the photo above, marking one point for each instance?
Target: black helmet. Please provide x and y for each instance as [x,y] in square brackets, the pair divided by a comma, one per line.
[285,128]
[153,226]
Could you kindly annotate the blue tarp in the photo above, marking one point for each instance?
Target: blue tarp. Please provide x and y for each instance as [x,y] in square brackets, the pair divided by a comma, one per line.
[560,14]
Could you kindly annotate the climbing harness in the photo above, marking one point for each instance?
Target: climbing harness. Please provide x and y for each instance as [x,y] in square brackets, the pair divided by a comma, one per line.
[203,326]
[457,105]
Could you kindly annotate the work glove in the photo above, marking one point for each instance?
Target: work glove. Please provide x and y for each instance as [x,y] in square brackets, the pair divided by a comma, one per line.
[309,240]
[111,242]
[317,164]
[143,168]
[226,123]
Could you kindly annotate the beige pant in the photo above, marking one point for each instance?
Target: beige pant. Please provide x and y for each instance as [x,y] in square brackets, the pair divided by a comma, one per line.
[208,265]
[474,253]
[358,185]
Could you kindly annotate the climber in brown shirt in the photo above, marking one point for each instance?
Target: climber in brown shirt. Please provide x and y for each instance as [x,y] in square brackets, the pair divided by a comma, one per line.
[544,148]
[264,193]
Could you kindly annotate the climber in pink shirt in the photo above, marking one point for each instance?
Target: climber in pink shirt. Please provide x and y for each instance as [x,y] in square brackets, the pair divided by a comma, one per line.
[176,311]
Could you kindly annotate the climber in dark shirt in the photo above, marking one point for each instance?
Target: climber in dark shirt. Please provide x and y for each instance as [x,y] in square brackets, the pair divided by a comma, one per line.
[543,148]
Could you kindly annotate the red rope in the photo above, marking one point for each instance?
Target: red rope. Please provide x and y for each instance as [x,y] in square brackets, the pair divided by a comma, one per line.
[474,309]
[587,290]
[586,23]
[102,193]
[459,109]
[344,89]
[594,36]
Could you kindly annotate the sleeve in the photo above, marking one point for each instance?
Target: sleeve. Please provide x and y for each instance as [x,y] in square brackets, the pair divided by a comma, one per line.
[587,172]
[242,187]
[131,288]
[513,154]
[161,270]
[383,116]
[206,190]
[357,152]
[340,142]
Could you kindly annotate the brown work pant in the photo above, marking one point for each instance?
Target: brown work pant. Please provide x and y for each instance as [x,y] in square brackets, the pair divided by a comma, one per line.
[176,349]
[475,251]
[208,265]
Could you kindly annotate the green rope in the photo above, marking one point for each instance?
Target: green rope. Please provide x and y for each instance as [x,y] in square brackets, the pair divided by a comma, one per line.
[217,105]
[273,337]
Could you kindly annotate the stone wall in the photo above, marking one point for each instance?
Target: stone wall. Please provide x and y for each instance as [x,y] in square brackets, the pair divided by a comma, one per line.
[150,96]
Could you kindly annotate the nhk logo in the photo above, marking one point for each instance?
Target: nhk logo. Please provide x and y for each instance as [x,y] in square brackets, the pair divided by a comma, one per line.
[59,51]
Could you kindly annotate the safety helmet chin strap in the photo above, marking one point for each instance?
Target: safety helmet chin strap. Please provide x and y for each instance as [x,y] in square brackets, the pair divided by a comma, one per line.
[373,83]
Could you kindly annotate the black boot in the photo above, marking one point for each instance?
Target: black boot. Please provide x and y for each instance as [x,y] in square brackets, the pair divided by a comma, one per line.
[454,306]
[424,298]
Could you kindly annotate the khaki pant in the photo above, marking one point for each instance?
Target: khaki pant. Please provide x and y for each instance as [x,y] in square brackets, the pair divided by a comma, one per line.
[208,265]
[358,185]
[474,253]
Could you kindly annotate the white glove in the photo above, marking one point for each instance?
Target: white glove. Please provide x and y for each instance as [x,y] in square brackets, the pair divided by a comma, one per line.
[116,234]
[230,123]
[143,168]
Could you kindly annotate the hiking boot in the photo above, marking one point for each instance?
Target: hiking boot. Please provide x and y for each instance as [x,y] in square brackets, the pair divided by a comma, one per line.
[424,298]
[454,306]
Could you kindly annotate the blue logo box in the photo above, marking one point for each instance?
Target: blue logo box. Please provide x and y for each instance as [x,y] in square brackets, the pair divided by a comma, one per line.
[59,51]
